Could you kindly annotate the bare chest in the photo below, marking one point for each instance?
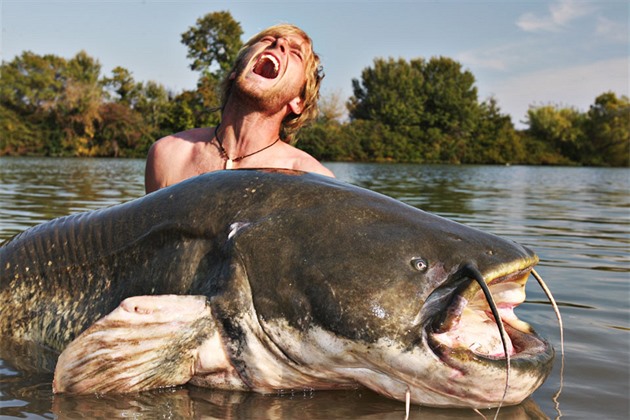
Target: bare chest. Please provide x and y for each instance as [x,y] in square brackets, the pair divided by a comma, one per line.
[203,158]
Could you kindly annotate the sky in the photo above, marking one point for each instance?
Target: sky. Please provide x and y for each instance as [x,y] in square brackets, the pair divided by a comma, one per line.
[522,52]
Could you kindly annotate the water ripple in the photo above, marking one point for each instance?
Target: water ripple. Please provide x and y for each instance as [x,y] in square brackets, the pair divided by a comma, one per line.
[576,219]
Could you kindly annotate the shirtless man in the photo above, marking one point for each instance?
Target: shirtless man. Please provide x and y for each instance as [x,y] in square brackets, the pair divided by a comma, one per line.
[270,93]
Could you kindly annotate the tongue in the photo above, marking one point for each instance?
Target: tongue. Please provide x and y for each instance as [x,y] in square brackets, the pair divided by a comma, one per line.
[265,68]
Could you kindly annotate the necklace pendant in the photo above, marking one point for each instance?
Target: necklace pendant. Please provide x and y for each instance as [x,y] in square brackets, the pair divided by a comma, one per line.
[228,164]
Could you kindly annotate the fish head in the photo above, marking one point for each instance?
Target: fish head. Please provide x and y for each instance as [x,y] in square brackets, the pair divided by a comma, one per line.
[358,286]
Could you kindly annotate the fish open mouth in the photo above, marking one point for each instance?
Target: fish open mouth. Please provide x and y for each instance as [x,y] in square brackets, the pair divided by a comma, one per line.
[466,323]
[267,66]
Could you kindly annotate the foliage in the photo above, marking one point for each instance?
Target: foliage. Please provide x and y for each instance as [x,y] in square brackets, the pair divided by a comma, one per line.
[61,97]
[400,111]
[600,136]
[121,87]
[427,110]
[608,131]
[561,128]
[494,139]
[213,42]
[54,106]
[120,131]
[19,136]
[391,92]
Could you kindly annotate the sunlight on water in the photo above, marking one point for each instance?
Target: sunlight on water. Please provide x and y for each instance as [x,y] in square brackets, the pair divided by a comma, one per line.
[576,219]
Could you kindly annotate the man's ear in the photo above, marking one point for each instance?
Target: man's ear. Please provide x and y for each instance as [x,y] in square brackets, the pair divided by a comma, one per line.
[296,105]
[232,75]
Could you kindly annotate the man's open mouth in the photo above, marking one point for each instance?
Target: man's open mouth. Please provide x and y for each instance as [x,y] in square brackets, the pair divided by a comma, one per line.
[267,66]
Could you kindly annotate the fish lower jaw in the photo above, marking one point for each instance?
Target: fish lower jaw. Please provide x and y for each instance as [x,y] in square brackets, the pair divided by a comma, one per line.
[477,332]
[467,322]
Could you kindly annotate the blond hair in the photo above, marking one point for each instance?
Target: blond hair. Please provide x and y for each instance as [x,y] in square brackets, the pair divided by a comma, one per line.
[310,92]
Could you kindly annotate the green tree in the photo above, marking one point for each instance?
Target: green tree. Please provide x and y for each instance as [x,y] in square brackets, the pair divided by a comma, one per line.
[206,101]
[495,140]
[327,138]
[122,87]
[24,87]
[192,108]
[30,86]
[149,103]
[121,131]
[560,128]
[451,107]
[18,136]
[331,107]
[55,97]
[77,108]
[183,111]
[391,92]
[429,108]
[31,83]
[213,43]
[154,104]
[608,131]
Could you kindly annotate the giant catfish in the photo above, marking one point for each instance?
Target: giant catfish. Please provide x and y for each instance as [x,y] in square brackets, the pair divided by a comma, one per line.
[271,280]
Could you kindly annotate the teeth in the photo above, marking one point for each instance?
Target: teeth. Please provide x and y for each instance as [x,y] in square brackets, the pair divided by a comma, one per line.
[521,326]
[517,324]
[273,59]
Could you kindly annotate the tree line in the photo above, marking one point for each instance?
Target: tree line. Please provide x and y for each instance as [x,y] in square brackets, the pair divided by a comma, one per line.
[428,111]
[418,110]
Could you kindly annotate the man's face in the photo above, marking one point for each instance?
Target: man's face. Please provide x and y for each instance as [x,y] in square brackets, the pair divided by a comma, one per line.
[272,73]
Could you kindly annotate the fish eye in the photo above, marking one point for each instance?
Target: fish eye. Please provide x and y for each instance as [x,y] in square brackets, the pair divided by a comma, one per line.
[419,264]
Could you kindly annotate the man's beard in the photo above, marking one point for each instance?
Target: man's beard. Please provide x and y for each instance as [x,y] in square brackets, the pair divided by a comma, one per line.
[261,100]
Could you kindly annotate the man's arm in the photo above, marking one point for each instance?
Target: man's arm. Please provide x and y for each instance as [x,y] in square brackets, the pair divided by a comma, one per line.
[156,168]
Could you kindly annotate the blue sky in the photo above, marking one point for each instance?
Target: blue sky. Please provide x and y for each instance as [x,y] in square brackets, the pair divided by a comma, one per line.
[534,52]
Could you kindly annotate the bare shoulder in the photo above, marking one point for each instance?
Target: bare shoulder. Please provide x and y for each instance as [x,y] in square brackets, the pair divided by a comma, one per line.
[177,147]
[169,157]
[304,162]
[183,140]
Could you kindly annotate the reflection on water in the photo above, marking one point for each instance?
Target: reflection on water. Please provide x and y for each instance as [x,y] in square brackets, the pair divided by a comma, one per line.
[190,402]
[195,403]
[576,219]
[25,390]
[33,190]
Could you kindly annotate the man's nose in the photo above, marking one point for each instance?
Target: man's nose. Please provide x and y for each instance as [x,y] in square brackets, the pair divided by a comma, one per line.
[283,44]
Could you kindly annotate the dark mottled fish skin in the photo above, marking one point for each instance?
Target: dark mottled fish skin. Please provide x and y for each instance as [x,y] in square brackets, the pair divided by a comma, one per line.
[297,249]
[59,277]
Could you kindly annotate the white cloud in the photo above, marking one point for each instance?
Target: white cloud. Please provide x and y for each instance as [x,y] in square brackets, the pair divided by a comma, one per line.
[576,87]
[611,30]
[503,57]
[560,14]
[482,60]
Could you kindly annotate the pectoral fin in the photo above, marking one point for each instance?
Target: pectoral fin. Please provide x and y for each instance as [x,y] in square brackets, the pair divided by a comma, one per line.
[147,342]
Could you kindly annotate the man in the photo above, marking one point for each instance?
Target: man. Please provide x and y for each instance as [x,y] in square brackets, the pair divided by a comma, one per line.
[270,93]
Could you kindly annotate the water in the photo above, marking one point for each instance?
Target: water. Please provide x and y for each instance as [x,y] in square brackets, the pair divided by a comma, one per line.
[577,220]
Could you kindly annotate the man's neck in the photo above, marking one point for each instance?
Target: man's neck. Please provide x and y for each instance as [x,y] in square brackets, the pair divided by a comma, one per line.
[243,131]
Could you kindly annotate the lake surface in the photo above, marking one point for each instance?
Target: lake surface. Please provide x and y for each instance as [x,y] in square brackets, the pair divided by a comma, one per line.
[576,219]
